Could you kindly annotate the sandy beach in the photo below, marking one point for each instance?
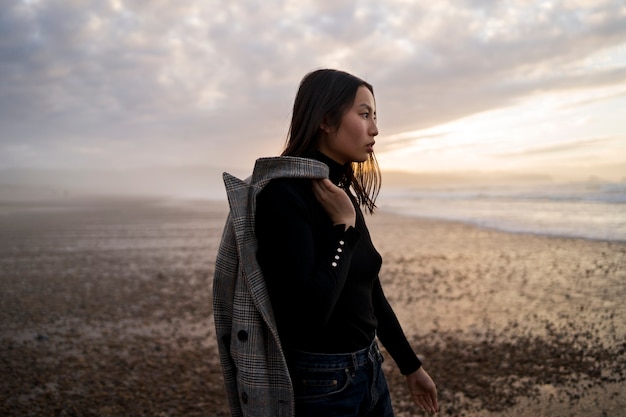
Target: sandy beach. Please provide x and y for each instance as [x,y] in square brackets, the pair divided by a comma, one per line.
[105,310]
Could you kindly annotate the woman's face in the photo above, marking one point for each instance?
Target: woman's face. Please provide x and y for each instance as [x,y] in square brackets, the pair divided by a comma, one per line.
[353,140]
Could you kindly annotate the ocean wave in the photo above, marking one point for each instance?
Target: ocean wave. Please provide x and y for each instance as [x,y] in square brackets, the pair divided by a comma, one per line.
[592,212]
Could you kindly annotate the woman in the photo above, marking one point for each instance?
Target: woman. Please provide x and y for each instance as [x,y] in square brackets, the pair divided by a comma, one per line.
[319,264]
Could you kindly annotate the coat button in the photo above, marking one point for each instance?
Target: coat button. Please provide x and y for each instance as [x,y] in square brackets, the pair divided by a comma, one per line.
[244,398]
[242,335]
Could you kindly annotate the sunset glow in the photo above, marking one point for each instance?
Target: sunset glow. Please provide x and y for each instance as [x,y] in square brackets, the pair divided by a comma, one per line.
[516,86]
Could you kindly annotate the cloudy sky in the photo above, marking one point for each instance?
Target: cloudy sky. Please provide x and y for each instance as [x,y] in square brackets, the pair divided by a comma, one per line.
[515,85]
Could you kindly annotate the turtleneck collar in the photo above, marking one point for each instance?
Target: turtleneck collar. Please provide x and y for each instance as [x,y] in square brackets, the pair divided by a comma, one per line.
[337,172]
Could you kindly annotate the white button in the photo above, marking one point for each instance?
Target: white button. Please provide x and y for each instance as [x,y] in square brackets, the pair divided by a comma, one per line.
[334,264]
[341,242]
[337,257]
[339,250]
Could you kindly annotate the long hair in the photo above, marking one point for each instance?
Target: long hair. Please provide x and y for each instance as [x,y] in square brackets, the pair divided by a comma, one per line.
[324,96]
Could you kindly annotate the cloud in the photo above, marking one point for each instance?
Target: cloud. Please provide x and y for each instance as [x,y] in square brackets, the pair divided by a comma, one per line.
[492,56]
[165,82]
[579,144]
[398,141]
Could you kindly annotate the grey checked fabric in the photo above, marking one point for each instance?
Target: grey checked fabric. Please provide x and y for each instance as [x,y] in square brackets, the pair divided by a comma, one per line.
[253,364]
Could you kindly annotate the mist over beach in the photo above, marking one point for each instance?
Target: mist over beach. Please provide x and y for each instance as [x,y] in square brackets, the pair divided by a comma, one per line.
[593,208]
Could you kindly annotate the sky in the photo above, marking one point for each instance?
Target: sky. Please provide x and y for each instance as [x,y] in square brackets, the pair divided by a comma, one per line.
[534,87]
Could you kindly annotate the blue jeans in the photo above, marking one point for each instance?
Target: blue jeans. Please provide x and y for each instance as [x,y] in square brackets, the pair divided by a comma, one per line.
[340,385]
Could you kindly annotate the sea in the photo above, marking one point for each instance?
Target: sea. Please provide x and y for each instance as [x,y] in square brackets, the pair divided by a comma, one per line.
[591,210]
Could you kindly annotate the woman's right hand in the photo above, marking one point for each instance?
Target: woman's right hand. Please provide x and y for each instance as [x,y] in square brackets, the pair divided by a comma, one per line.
[335,201]
[423,391]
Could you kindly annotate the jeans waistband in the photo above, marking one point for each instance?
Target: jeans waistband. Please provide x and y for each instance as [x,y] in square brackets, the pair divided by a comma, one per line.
[330,361]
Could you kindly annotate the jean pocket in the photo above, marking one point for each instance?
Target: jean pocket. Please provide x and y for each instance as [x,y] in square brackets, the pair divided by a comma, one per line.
[318,383]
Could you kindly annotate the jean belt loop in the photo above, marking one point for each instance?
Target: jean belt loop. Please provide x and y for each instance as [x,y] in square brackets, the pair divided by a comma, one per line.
[355,362]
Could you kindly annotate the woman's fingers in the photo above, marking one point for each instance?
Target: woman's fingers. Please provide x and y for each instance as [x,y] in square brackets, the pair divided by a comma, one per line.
[423,390]
[425,403]
[335,201]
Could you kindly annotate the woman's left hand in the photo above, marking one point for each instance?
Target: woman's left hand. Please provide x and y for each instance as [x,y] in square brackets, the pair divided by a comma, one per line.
[423,390]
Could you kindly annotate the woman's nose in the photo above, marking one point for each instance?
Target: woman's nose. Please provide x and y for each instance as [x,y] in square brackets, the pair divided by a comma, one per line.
[373,129]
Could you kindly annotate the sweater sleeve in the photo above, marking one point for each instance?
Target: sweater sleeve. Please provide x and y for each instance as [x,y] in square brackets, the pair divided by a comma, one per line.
[391,334]
[304,279]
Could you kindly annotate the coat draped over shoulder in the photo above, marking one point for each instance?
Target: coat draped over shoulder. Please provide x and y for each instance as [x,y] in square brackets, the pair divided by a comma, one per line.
[253,363]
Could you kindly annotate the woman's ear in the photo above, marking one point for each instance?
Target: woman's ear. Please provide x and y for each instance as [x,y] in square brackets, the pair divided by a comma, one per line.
[324,128]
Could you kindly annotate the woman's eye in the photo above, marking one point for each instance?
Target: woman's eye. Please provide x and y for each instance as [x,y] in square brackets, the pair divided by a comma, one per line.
[365,115]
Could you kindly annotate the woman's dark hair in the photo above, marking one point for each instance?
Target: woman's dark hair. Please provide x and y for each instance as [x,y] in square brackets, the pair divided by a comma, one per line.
[323,97]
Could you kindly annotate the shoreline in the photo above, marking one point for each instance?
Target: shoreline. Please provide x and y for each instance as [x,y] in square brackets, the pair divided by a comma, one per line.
[12,205]
[475,223]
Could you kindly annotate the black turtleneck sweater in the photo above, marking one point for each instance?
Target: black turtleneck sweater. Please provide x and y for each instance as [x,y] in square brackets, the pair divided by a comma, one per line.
[323,280]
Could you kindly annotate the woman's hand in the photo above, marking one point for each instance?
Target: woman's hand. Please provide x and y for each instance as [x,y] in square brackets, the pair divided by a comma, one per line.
[423,390]
[335,201]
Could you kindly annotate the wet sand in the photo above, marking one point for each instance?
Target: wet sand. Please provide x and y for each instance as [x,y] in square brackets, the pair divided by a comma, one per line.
[105,310]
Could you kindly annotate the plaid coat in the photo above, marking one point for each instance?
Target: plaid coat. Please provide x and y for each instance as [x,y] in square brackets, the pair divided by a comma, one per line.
[254,367]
